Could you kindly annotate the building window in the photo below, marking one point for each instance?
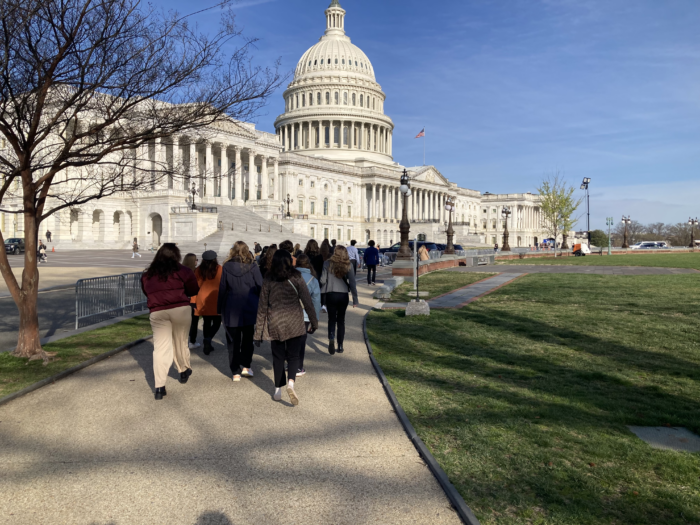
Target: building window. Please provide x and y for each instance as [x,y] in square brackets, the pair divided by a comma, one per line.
[313,232]
[328,98]
[325,206]
[318,98]
[336,61]
[362,100]
[343,61]
[373,103]
[349,235]
[303,101]
[337,98]
[349,211]
[340,210]
[311,99]
[301,182]
[313,183]
[321,61]
[315,62]
[325,233]
[328,135]
[336,135]
[296,102]
[349,189]
[340,234]
[353,100]
[313,208]
[301,205]
[339,189]
[345,98]
[345,136]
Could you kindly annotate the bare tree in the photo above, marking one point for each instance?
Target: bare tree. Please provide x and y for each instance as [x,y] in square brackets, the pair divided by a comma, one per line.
[557,206]
[85,84]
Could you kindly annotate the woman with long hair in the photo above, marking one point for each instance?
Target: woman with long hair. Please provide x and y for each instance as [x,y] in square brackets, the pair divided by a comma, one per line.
[309,276]
[281,320]
[337,280]
[190,261]
[297,250]
[326,250]
[239,293]
[266,261]
[314,254]
[168,286]
[208,277]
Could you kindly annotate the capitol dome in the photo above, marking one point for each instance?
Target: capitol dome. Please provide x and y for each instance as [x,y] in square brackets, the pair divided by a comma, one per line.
[334,107]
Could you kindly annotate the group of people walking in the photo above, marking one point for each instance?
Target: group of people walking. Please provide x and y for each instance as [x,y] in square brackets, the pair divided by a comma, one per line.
[275,295]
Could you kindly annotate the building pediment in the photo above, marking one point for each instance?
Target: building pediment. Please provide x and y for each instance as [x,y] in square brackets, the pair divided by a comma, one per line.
[428,175]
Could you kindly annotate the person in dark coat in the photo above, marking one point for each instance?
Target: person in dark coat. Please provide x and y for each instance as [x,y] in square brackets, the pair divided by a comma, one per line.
[371,261]
[314,253]
[239,293]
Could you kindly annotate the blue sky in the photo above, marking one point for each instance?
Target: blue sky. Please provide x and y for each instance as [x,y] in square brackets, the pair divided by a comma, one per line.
[513,90]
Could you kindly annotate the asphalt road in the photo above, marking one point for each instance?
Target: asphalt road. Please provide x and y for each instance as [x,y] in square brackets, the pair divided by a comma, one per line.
[90,258]
[56,315]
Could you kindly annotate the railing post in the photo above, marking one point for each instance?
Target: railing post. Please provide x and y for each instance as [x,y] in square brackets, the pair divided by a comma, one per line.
[77,313]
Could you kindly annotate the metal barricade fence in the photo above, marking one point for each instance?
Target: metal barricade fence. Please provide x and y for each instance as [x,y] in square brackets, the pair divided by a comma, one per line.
[101,298]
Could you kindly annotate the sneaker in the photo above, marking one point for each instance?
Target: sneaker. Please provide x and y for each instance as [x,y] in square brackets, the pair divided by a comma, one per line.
[331,347]
[207,349]
[247,372]
[184,376]
[292,395]
[277,396]
[324,309]
[340,349]
[236,378]
[301,372]
[192,346]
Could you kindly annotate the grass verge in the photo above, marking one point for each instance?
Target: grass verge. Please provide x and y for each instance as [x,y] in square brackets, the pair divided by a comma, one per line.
[661,260]
[524,396]
[16,373]
[437,283]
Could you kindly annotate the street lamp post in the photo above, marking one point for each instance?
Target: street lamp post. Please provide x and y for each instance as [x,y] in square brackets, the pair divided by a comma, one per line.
[506,213]
[450,206]
[693,223]
[584,186]
[405,227]
[626,221]
[609,221]
[194,193]
[289,202]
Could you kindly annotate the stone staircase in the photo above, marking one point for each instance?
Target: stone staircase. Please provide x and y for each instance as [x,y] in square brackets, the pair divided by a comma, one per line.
[242,224]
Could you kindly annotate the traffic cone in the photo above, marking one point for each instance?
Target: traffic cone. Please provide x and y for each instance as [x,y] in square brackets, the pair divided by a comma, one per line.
[53,249]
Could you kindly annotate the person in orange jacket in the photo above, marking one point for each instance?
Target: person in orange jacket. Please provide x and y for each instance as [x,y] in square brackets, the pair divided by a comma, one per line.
[208,277]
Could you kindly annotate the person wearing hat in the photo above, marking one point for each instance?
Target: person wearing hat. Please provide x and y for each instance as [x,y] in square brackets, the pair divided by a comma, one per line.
[208,277]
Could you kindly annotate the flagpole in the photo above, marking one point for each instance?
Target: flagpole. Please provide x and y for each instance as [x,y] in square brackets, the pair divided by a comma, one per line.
[423,146]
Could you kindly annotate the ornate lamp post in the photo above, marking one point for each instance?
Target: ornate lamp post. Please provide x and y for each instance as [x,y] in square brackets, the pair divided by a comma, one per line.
[289,202]
[194,193]
[626,221]
[693,223]
[506,213]
[609,221]
[450,206]
[584,186]
[404,226]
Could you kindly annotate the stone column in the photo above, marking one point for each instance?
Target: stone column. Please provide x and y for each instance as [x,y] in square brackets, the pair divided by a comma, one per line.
[178,168]
[194,166]
[225,173]
[156,167]
[252,176]
[208,171]
[277,185]
[373,205]
[238,175]
[265,180]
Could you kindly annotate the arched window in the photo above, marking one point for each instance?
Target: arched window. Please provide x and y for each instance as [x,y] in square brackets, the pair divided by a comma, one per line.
[303,101]
[353,99]
[343,61]
[374,100]
[345,98]
[355,63]
[345,137]
[296,102]
[328,97]
[318,98]
[337,98]
[325,206]
[362,99]
[315,62]
[336,61]
[311,99]
[321,61]
[309,62]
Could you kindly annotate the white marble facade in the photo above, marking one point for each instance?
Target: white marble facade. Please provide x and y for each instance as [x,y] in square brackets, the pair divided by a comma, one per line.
[331,154]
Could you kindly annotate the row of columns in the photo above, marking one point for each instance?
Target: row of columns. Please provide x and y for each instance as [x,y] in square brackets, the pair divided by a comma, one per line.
[422,204]
[210,178]
[522,218]
[311,134]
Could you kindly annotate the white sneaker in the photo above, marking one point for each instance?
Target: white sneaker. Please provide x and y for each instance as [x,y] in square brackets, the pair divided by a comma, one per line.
[292,395]
[192,346]
[278,394]
[324,309]
[301,372]
[236,378]
[247,372]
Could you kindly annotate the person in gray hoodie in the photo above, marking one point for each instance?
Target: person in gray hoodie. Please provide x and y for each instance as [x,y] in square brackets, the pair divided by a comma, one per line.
[239,294]
[337,281]
[309,275]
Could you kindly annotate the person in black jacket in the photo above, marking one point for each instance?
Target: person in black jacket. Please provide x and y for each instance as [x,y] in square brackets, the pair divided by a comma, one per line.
[239,292]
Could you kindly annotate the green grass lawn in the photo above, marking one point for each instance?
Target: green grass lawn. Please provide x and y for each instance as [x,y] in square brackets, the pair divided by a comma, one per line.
[524,396]
[16,373]
[666,260]
[437,283]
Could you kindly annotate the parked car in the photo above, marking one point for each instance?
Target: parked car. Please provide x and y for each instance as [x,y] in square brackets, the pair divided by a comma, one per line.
[648,245]
[14,246]
[395,248]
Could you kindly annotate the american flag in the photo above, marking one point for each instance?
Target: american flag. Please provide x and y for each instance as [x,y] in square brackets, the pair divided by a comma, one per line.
[421,134]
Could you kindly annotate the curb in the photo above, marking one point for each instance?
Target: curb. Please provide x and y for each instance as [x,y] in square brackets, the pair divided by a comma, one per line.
[458,503]
[72,370]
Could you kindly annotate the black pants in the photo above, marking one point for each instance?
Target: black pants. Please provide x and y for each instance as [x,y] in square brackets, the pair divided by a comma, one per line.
[193,326]
[323,299]
[354,266]
[285,351]
[239,340]
[302,349]
[371,273]
[212,323]
[337,304]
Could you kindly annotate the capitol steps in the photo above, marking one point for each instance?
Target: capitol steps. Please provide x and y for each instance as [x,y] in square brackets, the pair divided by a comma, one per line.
[242,224]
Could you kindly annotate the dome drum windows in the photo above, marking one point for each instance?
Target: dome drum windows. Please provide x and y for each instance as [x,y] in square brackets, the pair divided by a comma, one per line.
[318,98]
[353,99]
[345,98]
[328,98]
[362,98]
[303,101]
[337,98]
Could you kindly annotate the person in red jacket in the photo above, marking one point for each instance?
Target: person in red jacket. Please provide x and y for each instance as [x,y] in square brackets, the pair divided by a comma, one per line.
[168,286]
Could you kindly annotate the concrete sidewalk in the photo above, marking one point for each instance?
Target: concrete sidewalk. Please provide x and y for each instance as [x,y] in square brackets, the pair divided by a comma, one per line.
[97,449]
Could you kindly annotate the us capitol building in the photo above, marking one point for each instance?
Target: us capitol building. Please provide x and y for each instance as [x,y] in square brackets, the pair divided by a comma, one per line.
[331,158]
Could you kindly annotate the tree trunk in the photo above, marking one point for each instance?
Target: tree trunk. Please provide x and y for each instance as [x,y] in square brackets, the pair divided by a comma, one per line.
[28,342]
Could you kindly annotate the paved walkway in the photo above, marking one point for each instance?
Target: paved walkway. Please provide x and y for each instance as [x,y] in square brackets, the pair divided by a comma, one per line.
[464,295]
[96,448]
[562,268]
